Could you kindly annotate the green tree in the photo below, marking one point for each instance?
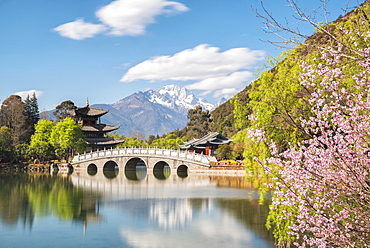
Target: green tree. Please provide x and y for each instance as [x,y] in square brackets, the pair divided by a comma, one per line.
[22,152]
[150,139]
[66,136]
[64,110]
[199,122]
[129,141]
[225,152]
[32,115]
[6,141]
[170,141]
[40,144]
[133,142]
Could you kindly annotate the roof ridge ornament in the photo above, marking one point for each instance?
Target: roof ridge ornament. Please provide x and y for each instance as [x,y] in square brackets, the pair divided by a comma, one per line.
[87,102]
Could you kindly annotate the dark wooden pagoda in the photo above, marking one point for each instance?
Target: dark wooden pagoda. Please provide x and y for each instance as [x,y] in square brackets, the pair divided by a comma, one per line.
[93,129]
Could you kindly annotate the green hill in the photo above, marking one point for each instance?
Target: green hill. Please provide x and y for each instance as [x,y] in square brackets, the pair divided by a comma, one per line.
[277,99]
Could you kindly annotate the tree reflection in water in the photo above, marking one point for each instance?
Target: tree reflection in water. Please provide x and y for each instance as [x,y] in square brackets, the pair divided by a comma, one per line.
[26,196]
[210,209]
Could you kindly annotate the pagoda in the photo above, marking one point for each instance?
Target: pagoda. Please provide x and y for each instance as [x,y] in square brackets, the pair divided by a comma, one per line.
[207,144]
[93,129]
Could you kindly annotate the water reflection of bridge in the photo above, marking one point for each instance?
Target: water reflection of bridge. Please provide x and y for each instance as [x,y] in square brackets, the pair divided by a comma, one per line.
[128,159]
[149,185]
[172,204]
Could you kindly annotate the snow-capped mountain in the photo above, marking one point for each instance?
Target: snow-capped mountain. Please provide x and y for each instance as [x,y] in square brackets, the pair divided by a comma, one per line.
[154,111]
[177,98]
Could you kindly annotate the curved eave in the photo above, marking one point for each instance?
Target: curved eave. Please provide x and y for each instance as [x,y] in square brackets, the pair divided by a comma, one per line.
[103,141]
[99,128]
[91,111]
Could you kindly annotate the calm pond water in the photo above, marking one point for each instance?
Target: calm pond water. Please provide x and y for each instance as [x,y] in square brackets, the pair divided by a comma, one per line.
[132,209]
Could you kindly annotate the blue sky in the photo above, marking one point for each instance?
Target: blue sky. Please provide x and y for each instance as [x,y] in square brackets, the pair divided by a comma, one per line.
[106,50]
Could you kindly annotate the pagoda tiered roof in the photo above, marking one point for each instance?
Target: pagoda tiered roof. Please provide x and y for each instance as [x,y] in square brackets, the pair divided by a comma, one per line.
[104,141]
[99,128]
[213,138]
[89,118]
[90,111]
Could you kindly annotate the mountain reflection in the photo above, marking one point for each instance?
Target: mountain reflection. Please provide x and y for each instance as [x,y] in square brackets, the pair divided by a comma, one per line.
[143,209]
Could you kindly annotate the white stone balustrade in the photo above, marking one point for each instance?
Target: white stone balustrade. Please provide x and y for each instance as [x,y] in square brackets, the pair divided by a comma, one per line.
[158,152]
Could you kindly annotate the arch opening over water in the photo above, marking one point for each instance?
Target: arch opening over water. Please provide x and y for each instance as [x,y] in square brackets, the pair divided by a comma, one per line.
[92,169]
[110,169]
[161,170]
[182,171]
[135,169]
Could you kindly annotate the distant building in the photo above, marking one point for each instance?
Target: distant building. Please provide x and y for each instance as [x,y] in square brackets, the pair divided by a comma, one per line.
[207,144]
[94,131]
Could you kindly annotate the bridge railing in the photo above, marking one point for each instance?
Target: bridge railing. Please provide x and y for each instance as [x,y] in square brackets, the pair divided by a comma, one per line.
[145,151]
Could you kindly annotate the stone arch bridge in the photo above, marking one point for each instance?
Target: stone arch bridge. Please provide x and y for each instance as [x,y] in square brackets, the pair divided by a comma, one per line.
[152,158]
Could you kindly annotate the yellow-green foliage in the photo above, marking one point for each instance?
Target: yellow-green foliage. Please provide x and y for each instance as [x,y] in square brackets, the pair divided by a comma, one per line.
[277,101]
[171,141]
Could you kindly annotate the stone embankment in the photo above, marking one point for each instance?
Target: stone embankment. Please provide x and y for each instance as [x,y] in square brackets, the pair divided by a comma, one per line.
[27,168]
[227,165]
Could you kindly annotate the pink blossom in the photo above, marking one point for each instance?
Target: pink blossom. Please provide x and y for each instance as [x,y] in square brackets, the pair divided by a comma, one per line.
[327,178]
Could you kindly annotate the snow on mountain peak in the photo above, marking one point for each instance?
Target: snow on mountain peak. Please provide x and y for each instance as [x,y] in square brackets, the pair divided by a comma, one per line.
[177,98]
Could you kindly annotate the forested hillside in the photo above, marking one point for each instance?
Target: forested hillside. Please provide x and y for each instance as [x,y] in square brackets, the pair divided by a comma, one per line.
[277,100]
[304,125]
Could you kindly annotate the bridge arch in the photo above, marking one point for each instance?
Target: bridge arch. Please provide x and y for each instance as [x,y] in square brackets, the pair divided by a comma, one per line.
[92,169]
[135,169]
[128,159]
[110,169]
[161,170]
[182,171]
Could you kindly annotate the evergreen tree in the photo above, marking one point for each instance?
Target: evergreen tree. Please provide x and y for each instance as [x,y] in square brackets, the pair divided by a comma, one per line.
[199,122]
[32,115]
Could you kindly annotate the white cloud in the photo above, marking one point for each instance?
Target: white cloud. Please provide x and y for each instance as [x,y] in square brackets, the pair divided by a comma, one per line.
[30,93]
[222,73]
[79,30]
[130,17]
[234,79]
[121,18]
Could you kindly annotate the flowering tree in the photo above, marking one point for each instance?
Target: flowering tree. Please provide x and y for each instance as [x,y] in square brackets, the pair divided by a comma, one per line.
[322,186]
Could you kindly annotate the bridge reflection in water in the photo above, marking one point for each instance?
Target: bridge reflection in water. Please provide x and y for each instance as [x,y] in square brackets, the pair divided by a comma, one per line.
[160,182]
[133,209]
[179,204]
